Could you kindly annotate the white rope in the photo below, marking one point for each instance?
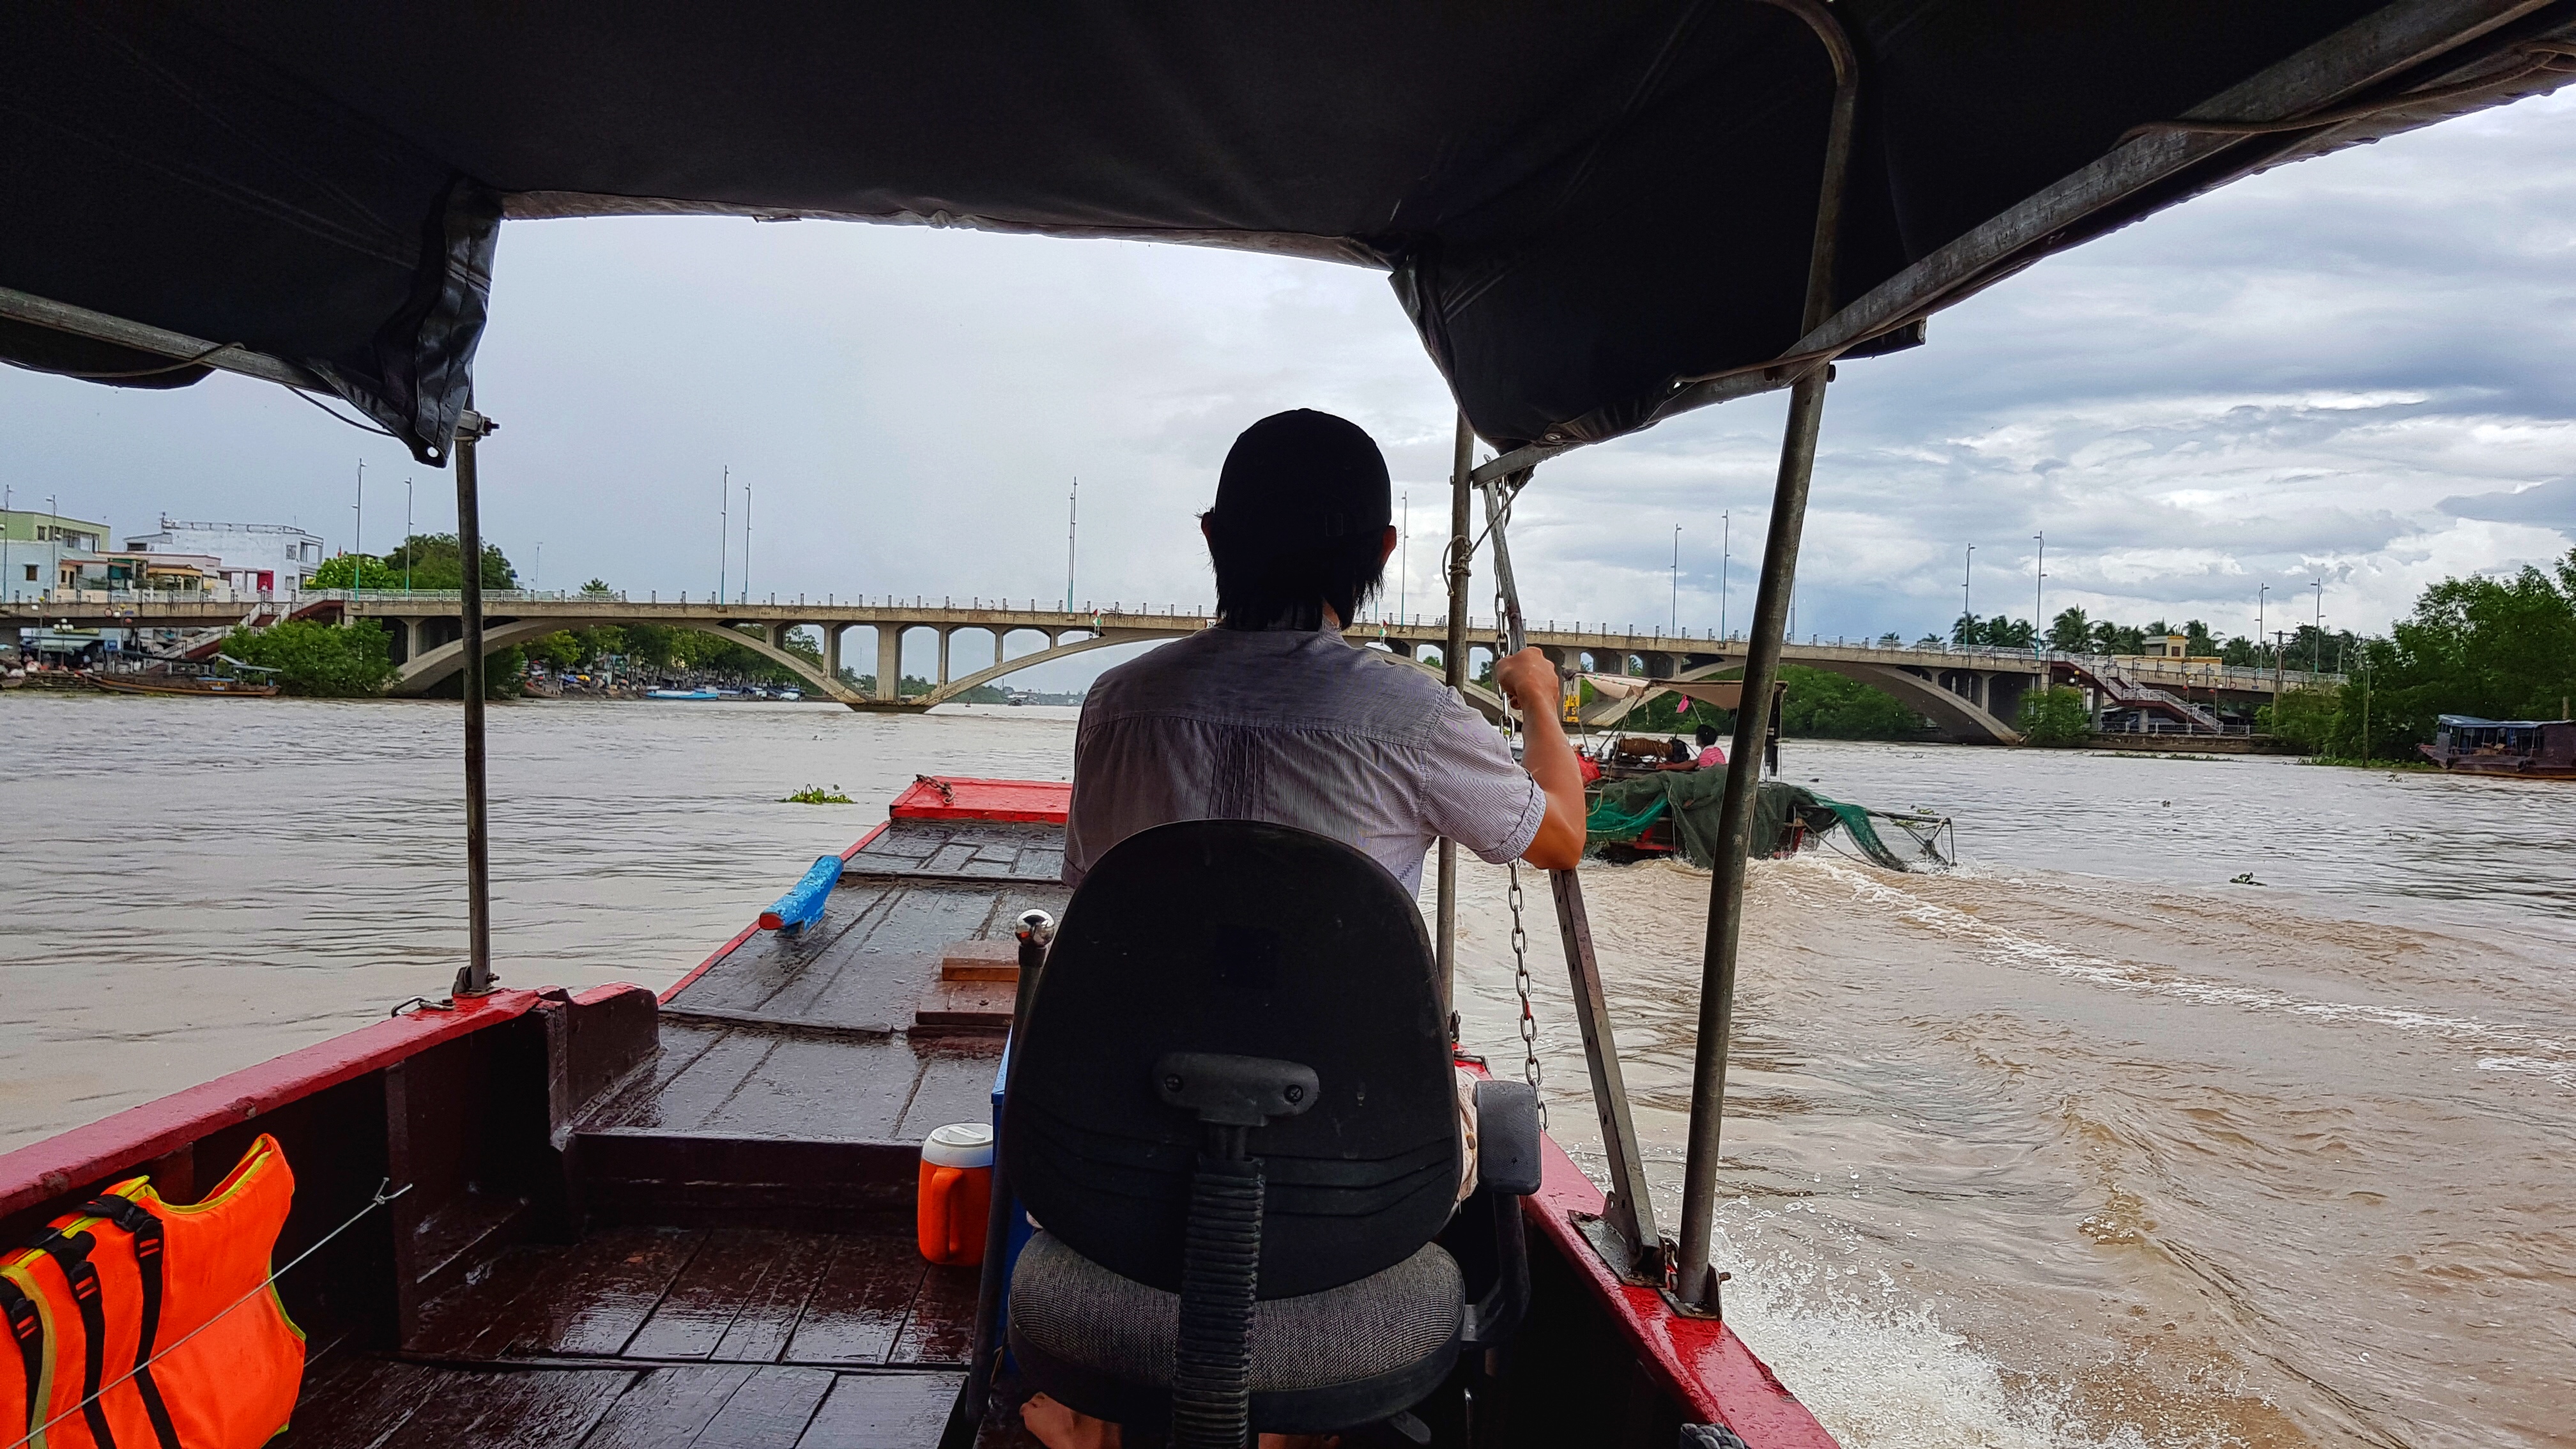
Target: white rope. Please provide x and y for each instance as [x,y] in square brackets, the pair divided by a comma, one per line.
[379,1200]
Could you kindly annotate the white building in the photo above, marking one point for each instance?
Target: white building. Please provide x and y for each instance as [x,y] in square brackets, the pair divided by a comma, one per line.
[257,560]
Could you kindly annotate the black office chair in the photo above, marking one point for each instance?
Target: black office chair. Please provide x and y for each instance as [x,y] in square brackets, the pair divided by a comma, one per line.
[1234,1119]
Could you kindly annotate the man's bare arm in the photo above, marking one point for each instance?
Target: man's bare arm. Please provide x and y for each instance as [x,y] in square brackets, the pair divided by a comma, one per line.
[1529,681]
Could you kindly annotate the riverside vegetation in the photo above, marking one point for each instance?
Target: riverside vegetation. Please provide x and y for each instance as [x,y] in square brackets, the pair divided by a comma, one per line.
[2503,647]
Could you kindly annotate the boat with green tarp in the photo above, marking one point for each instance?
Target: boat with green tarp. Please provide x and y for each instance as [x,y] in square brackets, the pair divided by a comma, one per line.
[1676,812]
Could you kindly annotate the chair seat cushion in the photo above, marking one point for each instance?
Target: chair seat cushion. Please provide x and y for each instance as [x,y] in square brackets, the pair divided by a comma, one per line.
[1103,1343]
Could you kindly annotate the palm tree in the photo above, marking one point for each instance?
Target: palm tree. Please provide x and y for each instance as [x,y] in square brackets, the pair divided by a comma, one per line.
[2071,631]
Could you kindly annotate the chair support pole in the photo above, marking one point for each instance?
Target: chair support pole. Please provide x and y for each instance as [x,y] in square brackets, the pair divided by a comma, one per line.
[1035,932]
[1695,1282]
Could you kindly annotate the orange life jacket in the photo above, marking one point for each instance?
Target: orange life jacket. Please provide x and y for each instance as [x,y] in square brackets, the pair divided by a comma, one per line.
[129,1277]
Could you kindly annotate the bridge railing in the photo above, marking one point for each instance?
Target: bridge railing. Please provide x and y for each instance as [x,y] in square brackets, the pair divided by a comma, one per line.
[143,598]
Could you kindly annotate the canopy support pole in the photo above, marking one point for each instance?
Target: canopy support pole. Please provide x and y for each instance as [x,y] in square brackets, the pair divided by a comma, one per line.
[475,977]
[1453,671]
[1624,1235]
[1696,1283]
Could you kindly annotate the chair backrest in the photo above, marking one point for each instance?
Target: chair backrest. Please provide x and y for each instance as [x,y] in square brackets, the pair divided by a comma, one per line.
[1258,940]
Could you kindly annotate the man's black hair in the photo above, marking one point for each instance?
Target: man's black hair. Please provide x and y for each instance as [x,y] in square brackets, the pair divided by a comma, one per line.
[1707,736]
[1299,524]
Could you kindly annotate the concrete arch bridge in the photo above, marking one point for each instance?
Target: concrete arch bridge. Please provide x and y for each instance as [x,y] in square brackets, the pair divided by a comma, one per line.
[1969,696]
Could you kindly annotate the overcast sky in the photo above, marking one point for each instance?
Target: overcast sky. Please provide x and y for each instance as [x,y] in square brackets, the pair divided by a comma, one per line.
[2356,369]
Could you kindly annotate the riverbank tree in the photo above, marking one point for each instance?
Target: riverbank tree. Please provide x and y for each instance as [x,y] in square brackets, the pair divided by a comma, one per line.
[2055,716]
[327,661]
[2501,647]
[422,561]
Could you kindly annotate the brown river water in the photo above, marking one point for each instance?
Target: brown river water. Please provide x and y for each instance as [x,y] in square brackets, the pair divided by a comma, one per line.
[2079,1145]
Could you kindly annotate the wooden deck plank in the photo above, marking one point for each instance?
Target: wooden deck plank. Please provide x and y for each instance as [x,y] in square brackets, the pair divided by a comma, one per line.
[956,1085]
[771,1409]
[769,963]
[668,1408]
[880,971]
[611,1293]
[531,1409]
[884,1411]
[683,1103]
[940,1329]
[681,1046]
[556,1299]
[475,1320]
[359,1404]
[703,1302]
[810,1088]
[769,1313]
[860,959]
[907,839]
[861,1303]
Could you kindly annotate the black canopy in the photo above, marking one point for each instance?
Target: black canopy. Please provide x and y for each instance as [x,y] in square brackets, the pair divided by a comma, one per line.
[1596,212]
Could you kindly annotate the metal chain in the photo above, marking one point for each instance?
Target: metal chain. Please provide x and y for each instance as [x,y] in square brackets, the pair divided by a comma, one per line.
[1530,1072]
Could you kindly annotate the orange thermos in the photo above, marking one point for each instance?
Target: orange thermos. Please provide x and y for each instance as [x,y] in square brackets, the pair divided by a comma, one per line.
[956,1193]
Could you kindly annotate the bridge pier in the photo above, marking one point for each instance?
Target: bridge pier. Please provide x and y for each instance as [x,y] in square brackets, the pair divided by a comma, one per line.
[832,650]
[889,661]
[943,654]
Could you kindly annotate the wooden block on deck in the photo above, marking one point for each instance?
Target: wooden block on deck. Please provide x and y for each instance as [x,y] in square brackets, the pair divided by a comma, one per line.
[981,961]
[965,1006]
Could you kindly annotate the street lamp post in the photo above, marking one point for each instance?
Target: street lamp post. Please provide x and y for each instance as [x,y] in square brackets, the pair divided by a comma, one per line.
[2038,583]
[2258,624]
[1677,580]
[358,539]
[2317,651]
[1725,561]
[1967,613]
[1404,560]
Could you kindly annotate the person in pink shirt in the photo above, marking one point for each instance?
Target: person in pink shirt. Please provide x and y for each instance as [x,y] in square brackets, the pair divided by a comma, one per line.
[1710,756]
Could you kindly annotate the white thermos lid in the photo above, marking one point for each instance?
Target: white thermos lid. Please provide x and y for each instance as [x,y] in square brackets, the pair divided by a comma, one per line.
[959,1144]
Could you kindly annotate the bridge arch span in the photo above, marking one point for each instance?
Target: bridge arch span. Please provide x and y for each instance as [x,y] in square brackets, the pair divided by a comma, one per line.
[1957,718]
[434,666]
[955,687]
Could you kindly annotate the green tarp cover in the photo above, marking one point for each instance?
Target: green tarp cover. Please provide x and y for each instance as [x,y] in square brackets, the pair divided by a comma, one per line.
[1693,798]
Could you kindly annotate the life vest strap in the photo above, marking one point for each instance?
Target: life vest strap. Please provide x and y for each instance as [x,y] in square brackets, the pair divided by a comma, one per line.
[70,1252]
[145,1228]
[26,1327]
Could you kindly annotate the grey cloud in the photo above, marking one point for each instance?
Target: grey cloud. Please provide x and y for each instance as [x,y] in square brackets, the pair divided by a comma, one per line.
[2551,505]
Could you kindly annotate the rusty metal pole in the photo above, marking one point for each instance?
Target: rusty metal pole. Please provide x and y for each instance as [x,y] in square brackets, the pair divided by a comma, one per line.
[1453,666]
[475,977]
[1696,1282]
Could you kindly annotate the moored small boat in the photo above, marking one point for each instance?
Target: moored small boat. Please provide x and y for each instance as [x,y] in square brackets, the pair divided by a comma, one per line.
[2528,749]
[687,694]
[181,685]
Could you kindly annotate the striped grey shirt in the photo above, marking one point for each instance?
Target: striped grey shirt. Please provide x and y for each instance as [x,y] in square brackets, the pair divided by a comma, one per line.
[1296,727]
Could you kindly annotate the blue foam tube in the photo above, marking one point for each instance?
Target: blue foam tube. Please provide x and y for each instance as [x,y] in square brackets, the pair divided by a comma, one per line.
[802,906]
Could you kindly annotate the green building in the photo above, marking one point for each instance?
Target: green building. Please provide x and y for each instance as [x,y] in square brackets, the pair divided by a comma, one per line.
[34,546]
